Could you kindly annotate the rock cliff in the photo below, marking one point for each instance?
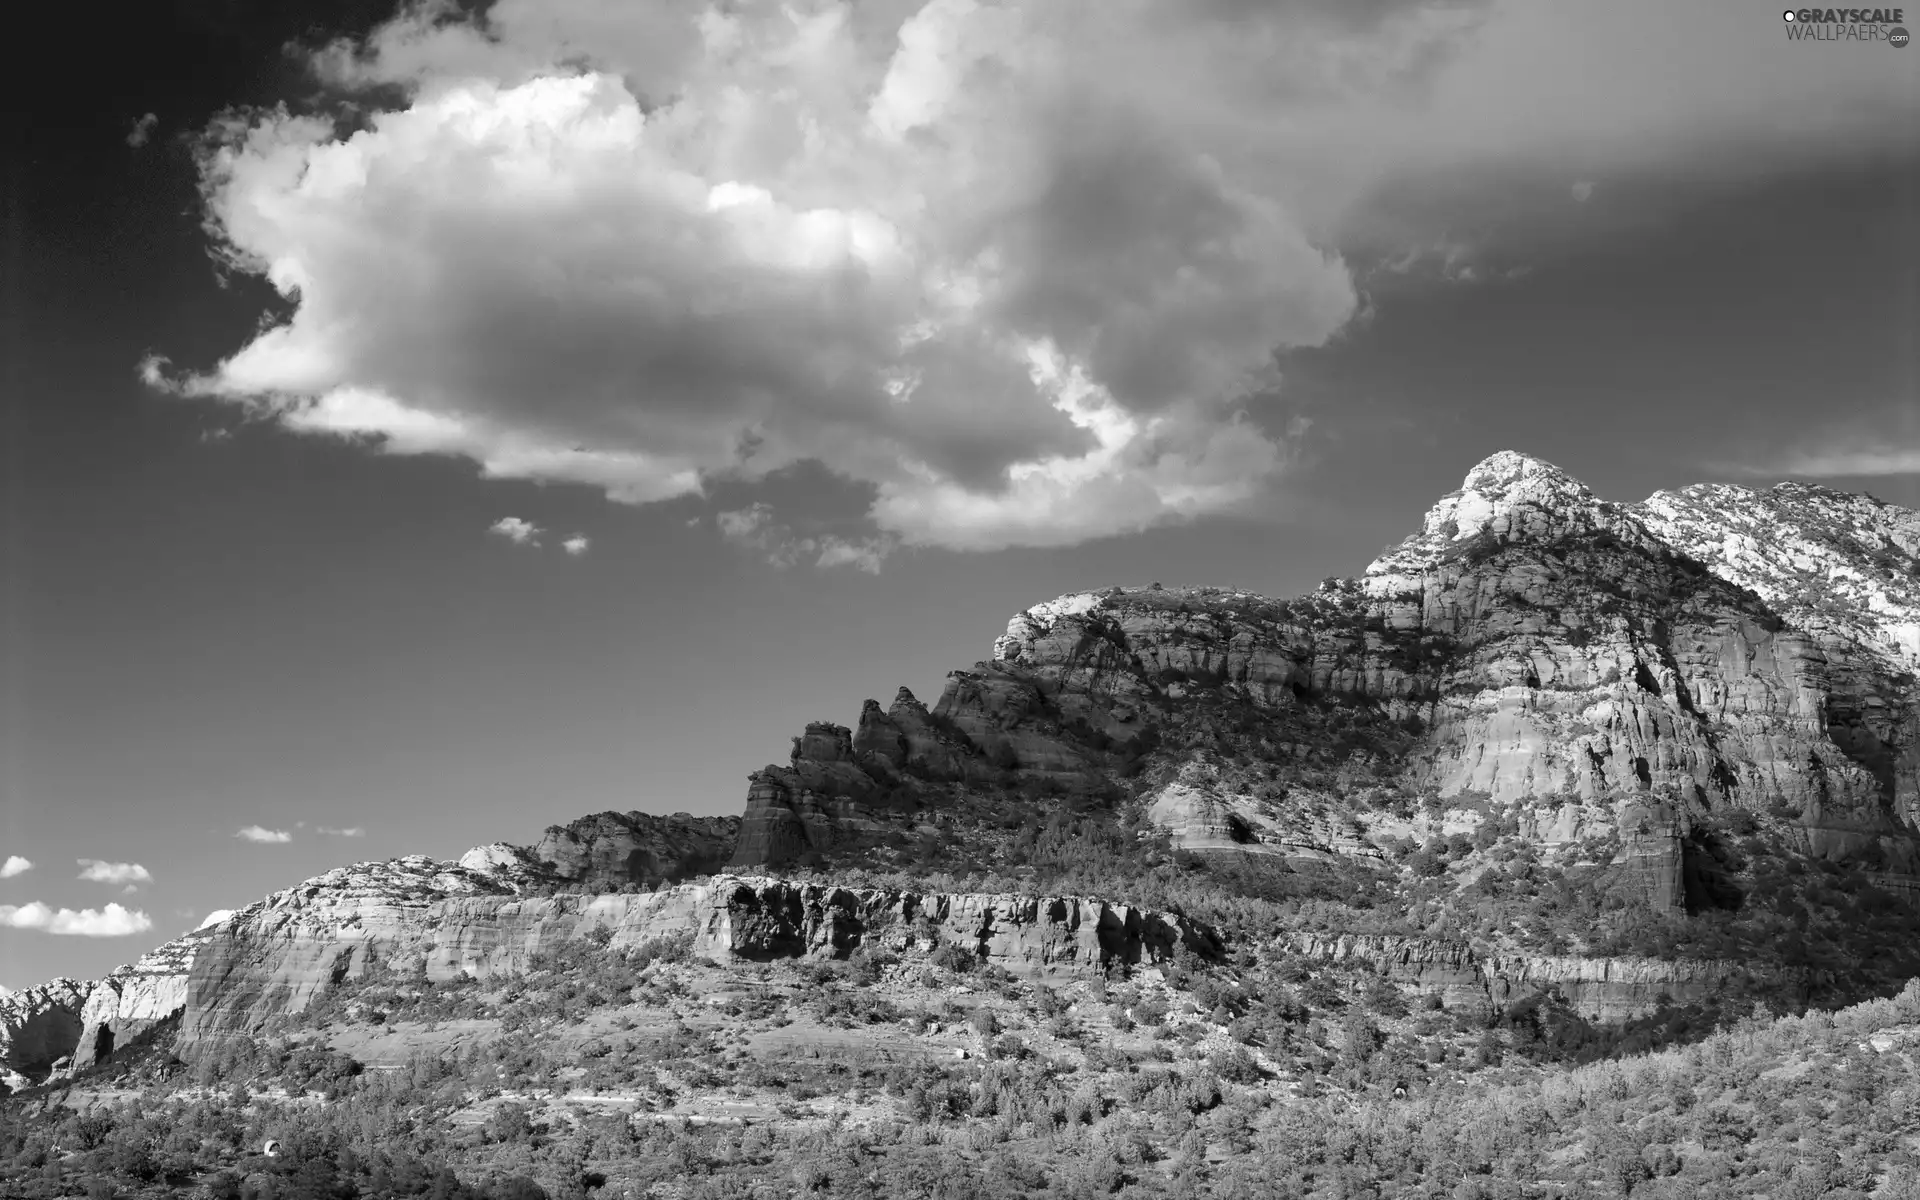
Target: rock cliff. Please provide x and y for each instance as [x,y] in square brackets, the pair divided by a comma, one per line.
[39,1026]
[611,851]
[68,1024]
[415,915]
[1603,989]
[1530,641]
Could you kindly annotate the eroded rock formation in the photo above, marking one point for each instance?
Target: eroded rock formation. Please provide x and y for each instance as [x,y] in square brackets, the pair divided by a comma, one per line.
[418,915]
[1599,989]
[610,851]
[1531,641]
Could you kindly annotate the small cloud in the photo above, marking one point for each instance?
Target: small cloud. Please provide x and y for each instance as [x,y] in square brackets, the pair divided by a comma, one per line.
[755,528]
[1445,259]
[142,130]
[1851,462]
[255,833]
[866,554]
[744,525]
[577,544]
[517,531]
[153,372]
[213,437]
[215,917]
[349,831]
[111,921]
[1860,450]
[95,870]
[15,865]
[1582,191]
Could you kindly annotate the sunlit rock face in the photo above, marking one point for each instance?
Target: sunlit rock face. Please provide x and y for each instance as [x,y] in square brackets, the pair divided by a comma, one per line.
[418,915]
[1465,980]
[39,1026]
[1531,640]
[67,1025]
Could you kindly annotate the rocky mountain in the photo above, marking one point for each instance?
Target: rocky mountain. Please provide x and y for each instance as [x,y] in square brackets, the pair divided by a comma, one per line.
[1531,643]
[67,1025]
[1622,757]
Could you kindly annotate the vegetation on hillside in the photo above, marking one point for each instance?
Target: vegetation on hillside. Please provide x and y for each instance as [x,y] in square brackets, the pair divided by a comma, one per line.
[598,1074]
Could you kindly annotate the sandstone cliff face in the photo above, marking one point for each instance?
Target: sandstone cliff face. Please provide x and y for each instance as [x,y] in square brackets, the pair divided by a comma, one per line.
[1599,989]
[68,1024]
[417,915]
[1530,641]
[38,1027]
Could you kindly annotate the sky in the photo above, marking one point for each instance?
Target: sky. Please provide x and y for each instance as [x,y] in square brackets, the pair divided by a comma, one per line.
[422,425]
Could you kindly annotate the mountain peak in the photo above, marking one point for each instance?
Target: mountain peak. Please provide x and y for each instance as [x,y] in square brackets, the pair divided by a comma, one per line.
[1840,562]
[1503,483]
[1510,497]
[1504,470]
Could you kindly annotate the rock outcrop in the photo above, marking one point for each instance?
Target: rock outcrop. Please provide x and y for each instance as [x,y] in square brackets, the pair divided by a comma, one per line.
[415,915]
[68,1025]
[39,1026]
[1606,990]
[612,851]
[1530,641]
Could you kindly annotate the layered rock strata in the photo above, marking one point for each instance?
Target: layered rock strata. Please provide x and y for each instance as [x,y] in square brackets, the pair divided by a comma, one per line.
[1532,641]
[610,851]
[420,916]
[1607,990]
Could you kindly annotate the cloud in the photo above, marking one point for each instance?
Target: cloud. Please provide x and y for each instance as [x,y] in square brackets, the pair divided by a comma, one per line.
[1834,463]
[352,831]
[1017,269]
[95,870]
[1582,192]
[215,917]
[517,531]
[142,130]
[577,544]
[256,833]
[15,865]
[754,528]
[111,921]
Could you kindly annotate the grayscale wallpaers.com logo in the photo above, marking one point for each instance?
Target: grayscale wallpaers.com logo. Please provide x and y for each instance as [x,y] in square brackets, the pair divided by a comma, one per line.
[1846,25]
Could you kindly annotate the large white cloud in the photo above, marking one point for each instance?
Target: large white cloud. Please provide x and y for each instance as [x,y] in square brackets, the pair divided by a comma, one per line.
[15,865]
[1017,266]
[111,921]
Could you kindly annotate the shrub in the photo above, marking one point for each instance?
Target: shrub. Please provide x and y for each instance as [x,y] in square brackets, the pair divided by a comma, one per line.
[1235,1065]
[954,957]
